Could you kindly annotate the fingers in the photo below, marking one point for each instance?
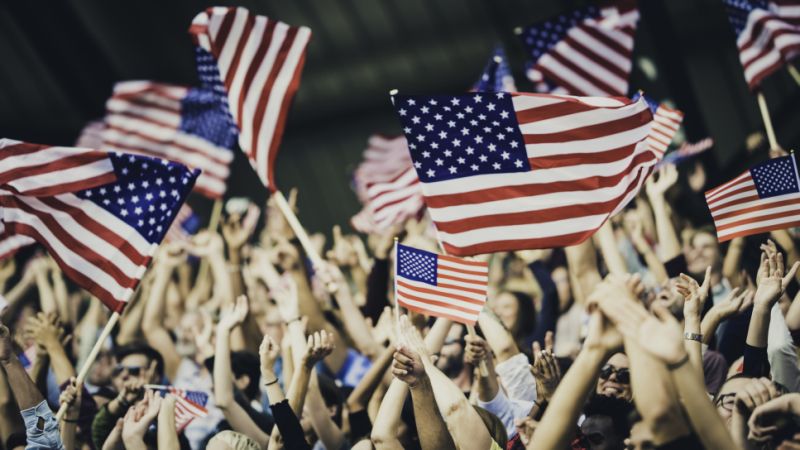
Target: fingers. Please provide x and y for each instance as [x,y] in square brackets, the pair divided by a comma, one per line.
[663,313]
[706,280]
[791,274]
[549,341]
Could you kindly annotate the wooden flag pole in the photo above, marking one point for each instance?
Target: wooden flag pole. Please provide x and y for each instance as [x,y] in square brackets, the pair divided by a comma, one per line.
[794,73]
[396,301]
[112,321]
[213,224]
[762,105]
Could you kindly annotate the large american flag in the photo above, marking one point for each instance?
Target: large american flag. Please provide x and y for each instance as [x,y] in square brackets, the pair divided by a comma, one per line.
[767,34]
[186,125]
[496,76]
[764,198]
[259,62]
[100,215]
[513,171]
[439,285]
[583,52]
[188,405]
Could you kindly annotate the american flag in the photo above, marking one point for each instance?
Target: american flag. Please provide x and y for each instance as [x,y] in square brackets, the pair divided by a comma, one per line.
[496,76]
[583,52]
[9,245]
[103,225]
[439,285]
[764,198]
[686,151]
[188,404]
[767,34]
[394,201]
[187,125]
[91,135]
[259,61]
[384,158]
[514,171]
[186,224]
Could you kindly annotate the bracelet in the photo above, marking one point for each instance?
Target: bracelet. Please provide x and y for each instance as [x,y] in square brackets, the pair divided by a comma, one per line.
[693,337]
[272,382]
[678,364]
[292,320]
[70,420]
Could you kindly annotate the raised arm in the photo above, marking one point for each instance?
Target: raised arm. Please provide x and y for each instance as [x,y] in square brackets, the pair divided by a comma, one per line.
[326,429]
[656,188]
[223,375]
[47,334]
[72,398]
[695,296]
[735,303]
[167,433]
[153,328]
[608,248]
[582,266]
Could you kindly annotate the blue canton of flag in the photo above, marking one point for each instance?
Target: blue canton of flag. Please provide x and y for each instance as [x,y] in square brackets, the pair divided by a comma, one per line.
[457,136]
[215,123]
[147,194]
[650,102]
[496,75]
[739,10]
[775,177]
[416,264]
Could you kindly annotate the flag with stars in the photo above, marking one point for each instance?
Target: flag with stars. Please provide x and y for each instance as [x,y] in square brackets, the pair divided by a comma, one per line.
[100,215]
[512,171]
[764,198]
[440,285]
[583,52]
[188,404]
[496,76]
[767,34]
[259,61]
[187,125]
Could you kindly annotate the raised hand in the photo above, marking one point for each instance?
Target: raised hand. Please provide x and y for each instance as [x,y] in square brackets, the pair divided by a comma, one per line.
[770,249]
[658,186]
[476,349]
[762,420]
[71,395]
[234,315]
[601,334]
[695,295]
[343,253]
[773,279]
[545,368]
[268,353]
[236,231]
[755,393]
[137,420]
[407,366]
[206,244]
[412,339]
[171,254]
[661,335]
[319,345]
[45,330]
[285,295]
[734,303]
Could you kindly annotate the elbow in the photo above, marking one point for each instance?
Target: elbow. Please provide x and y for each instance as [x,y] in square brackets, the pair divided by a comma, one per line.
[381,438]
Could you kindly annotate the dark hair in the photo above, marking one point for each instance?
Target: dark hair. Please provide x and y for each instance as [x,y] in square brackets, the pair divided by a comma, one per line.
[139,348]
[247,363]
[617,409]
[525,323]
[331,395]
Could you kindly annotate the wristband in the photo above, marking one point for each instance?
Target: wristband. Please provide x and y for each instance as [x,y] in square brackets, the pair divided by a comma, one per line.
[292,320]
[693,337]
[271,382]
[678,364]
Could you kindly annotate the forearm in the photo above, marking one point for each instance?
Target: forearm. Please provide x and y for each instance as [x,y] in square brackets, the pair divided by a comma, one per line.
[62,367]
[793,315]
[708,326]
[654,264]
[223,376]
[69,426]
[733,259]
[358,399]
[221,288]
[668,242]
[355,324]
[431,427]
[704,419]
[289,426]
[434,340]
[558,423]
[47,300]
[499,339]
[759,326]
[299,387]
[608,248]
[167,433]
[25,391]
[322,423]
[582,265]
[487,386]
[387,421]
[694,348]
[131,321]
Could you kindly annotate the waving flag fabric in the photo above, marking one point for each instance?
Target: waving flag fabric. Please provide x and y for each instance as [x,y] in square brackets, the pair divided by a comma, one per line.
[764,198]
[686,151]
[496,76]
[514,171]
[100,215]
[259,62]
[186,224]
[188,405]
[767,34]
[383,160]
[439,285]
[583,52]
[186,125]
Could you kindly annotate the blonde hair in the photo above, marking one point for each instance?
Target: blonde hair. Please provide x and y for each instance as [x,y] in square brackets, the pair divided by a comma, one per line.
[236,441]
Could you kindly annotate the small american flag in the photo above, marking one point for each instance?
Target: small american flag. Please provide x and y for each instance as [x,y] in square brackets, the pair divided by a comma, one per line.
[767,34]
[383,159]
[764,198]
[583,52]
[184,227]
[188,404]
[103,225]
[439,285]
[187,125]
[686,151]
[506,171]
[259,61]
[496,76]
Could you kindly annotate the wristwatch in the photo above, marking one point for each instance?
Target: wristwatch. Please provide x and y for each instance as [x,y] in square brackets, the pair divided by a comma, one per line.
[693,337]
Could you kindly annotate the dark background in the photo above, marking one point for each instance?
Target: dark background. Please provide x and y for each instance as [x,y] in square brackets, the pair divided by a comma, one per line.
[60,58]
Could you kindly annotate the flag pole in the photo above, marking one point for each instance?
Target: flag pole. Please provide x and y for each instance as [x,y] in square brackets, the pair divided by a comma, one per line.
[394,283]
[762,105]
[300,233]
[794,73]
[112,321]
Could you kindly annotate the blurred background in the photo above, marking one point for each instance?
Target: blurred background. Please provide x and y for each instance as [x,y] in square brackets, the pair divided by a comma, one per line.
[61,58]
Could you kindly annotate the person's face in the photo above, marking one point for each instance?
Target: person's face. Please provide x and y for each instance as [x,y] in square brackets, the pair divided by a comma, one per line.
[561,279]
[615,379]
[186,332]
[451,357]
[506,308]
[599,433]
[725,401]
[100,373]
[131,366]
[703,252]
[669,297]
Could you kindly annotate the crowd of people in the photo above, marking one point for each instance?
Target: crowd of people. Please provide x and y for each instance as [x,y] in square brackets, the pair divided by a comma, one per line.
[650,335]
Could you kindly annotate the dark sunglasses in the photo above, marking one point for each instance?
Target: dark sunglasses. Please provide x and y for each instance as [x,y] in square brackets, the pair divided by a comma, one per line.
[623,374]
[133,371]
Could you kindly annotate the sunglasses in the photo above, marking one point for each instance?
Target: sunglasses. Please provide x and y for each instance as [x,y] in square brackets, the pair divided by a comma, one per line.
[623,375]
[133,371]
